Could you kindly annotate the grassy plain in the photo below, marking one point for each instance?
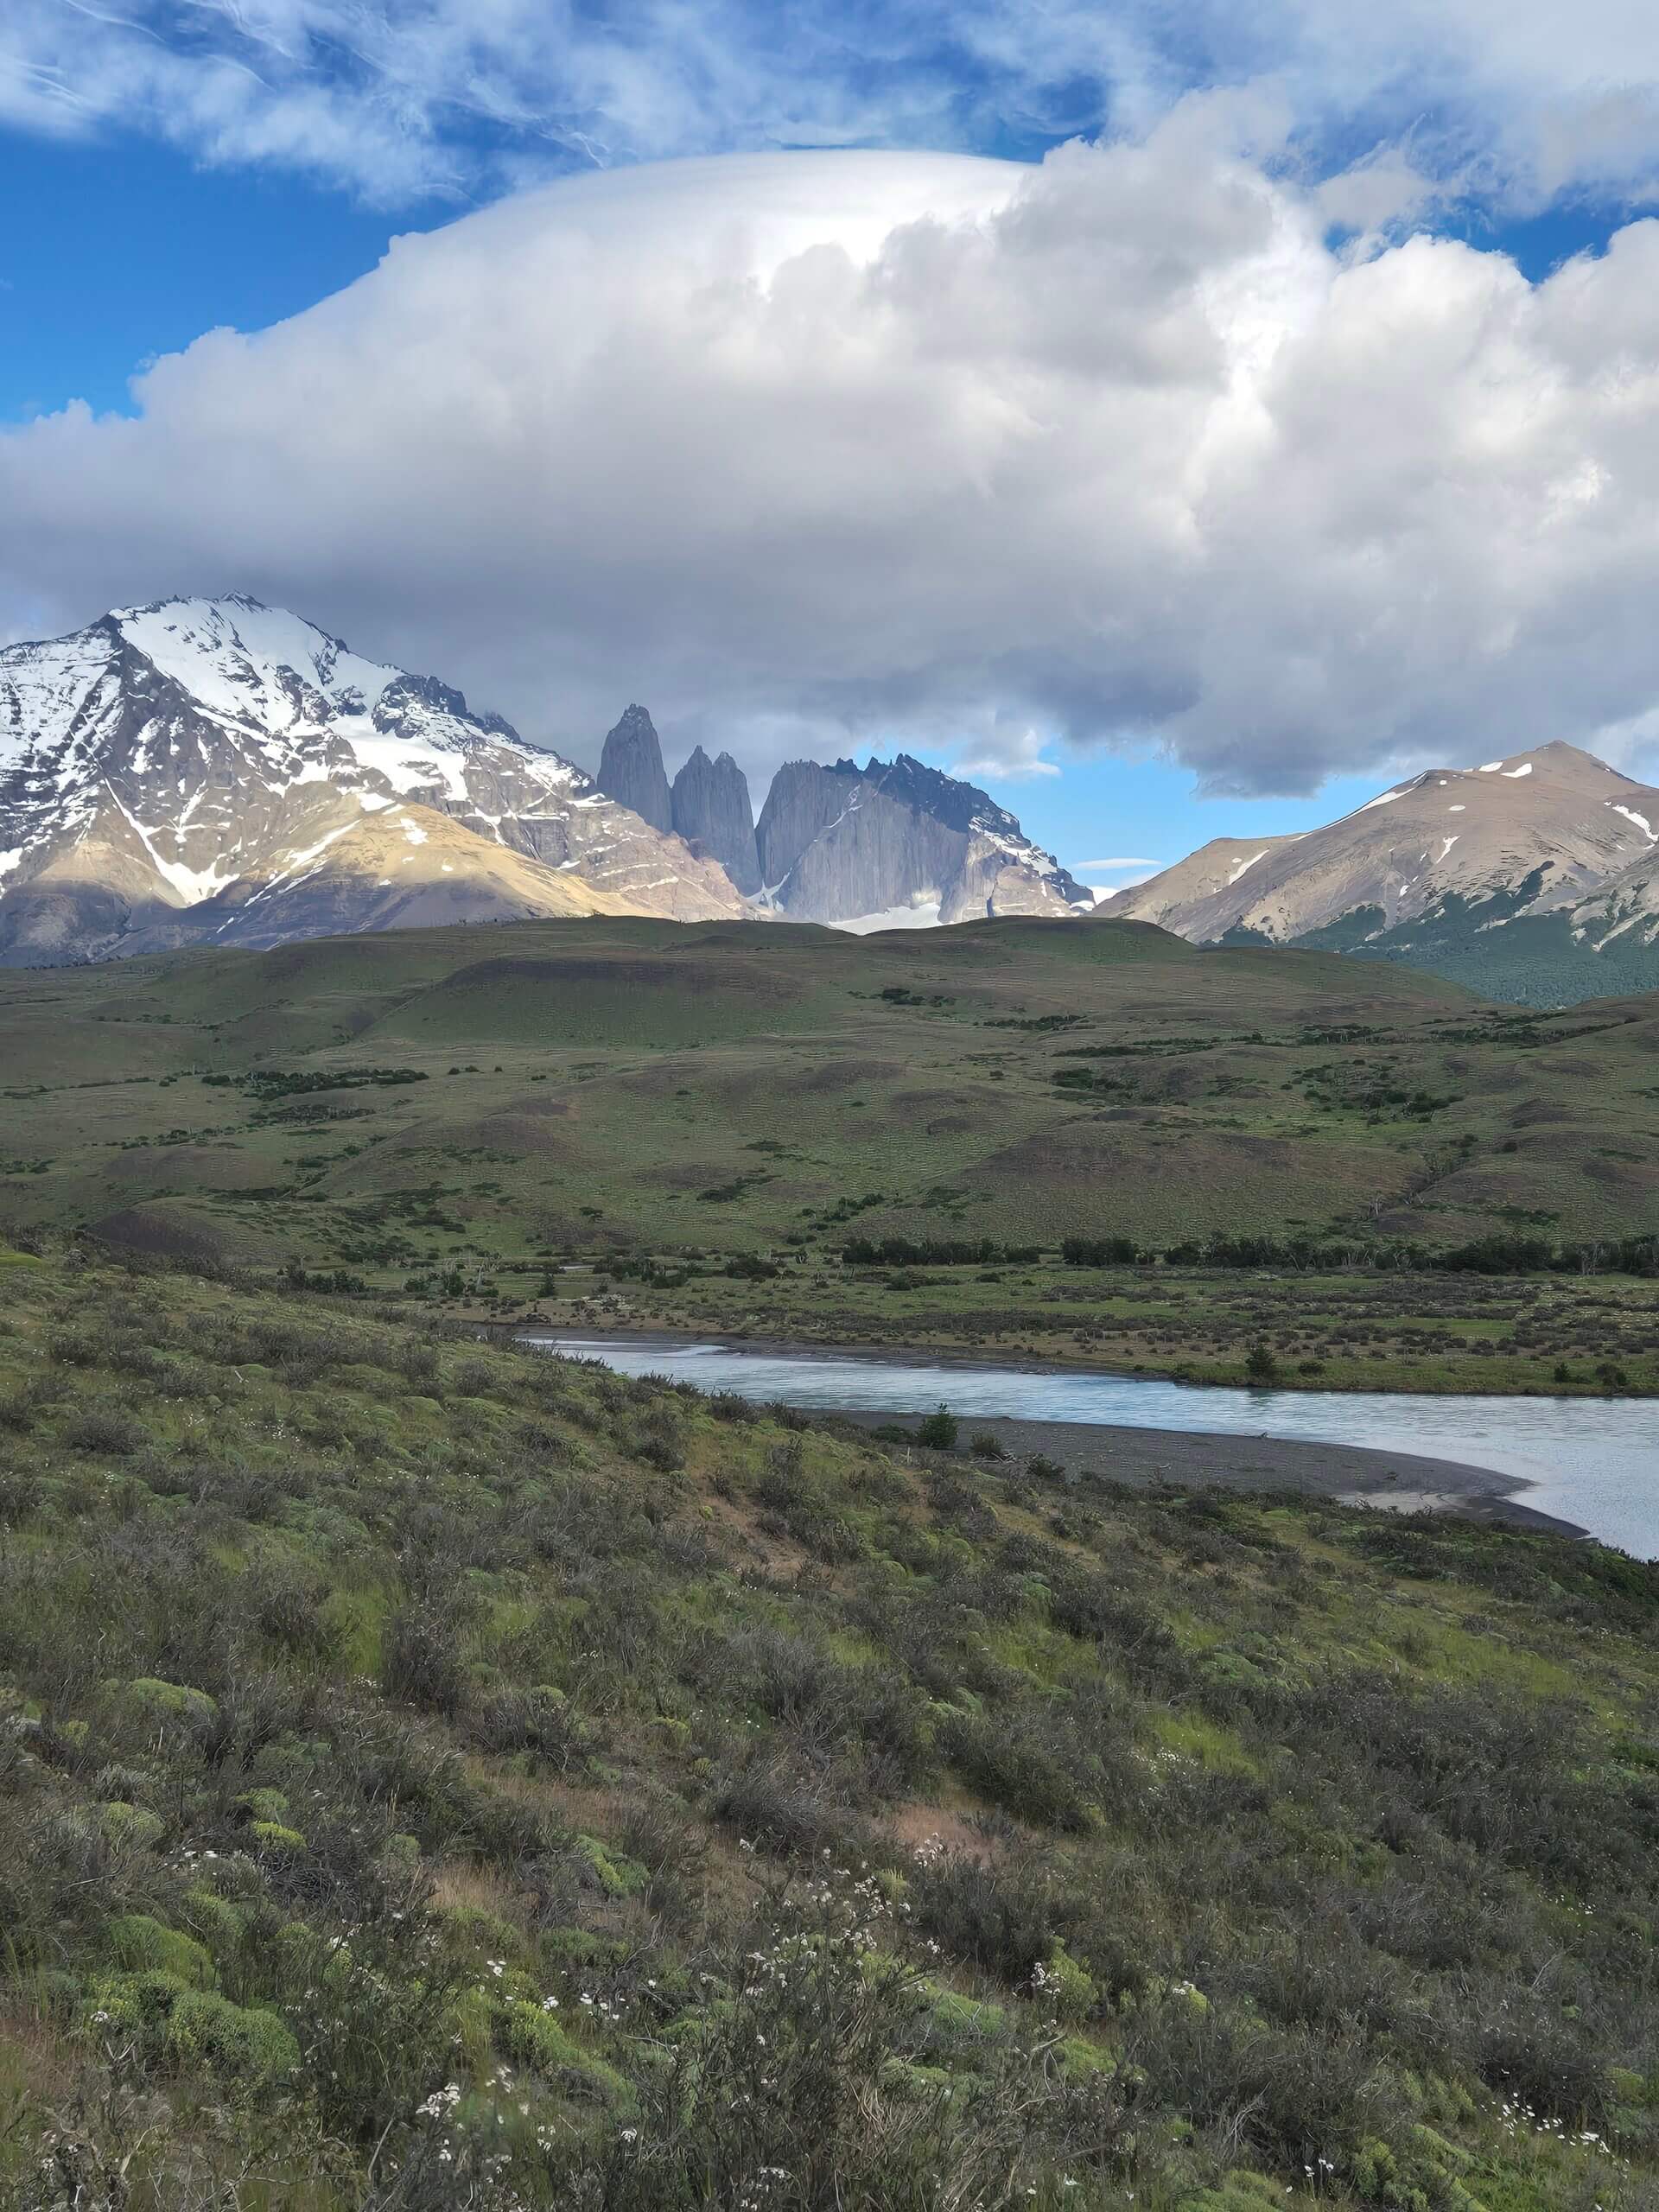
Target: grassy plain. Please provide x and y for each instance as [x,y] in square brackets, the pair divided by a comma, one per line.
[434,1775]
[468,1109]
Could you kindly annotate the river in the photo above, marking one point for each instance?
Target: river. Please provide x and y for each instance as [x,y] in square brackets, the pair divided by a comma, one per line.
[1593,1461]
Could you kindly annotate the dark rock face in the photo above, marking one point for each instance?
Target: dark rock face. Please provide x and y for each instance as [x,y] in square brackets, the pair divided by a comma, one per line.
[841,843]
[712,814]
[631,770]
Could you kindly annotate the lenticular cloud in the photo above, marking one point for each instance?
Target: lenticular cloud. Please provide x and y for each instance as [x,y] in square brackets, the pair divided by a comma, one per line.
[922,447]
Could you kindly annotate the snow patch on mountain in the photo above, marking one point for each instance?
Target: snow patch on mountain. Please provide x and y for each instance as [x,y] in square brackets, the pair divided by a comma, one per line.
[160,766]
[1240,866]
[1537,835]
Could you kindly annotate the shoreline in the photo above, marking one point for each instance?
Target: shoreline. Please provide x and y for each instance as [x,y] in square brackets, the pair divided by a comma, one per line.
[1345,1474]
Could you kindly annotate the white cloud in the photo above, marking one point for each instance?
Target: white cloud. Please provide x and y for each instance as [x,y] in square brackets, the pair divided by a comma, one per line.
[1009,752]
[1108,867]
[405,97]
[803,447]
[1119,883]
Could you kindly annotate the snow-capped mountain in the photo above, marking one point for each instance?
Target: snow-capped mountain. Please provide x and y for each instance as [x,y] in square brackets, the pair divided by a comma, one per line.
[194,771]
[1531,877]
[898,842]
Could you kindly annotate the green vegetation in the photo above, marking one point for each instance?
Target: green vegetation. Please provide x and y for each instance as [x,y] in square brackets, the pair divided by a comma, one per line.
[678,1113]
[1380,1329]
[435,1774]
[1491,945]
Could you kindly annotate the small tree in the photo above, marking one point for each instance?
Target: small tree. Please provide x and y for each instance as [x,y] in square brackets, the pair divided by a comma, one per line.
[939,1431]
[1261,1365]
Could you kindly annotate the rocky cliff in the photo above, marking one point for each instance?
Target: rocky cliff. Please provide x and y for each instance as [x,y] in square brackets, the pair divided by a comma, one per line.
[898,842]
[712,813]
[631,770]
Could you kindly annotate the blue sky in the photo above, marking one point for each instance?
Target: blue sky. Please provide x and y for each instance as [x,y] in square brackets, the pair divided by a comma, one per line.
[121,249]
[174,170]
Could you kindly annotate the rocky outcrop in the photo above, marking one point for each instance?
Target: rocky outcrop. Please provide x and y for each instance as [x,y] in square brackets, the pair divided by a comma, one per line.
[896,842]
[712,814]
[631,770]
[163,771]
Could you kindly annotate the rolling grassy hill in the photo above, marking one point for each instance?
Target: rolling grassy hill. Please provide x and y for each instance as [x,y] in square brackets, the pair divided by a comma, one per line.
[437,1775]
[1016,1080]
[460,1106]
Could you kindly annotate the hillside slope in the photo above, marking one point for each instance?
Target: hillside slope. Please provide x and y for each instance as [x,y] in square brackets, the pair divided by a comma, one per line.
[402,867]
[433,1776]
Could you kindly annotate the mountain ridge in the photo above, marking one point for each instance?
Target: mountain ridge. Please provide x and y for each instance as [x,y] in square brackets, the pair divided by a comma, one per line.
[1552,846]
[631,769]
[168,764]
[712,812]
[194,771]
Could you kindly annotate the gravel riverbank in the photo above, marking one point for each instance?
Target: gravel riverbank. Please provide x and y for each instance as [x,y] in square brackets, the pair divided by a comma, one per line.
[1187,1459]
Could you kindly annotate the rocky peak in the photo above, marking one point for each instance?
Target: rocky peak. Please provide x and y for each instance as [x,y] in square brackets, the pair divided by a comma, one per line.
[631,770]
[899,841]
[712,813]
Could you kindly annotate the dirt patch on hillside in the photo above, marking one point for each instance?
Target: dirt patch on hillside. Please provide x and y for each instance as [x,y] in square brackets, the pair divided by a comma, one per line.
[630,972]
[843,1075]
[161,1235]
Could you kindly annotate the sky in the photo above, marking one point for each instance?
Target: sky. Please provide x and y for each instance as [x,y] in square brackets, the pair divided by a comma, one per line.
[1183,420]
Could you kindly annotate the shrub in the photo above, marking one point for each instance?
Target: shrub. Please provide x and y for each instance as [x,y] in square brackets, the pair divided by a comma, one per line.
[287,1602]
[176,2026]
[142,1945]
[539,1719]
[785,1805]
[420,1661]
[103,1432]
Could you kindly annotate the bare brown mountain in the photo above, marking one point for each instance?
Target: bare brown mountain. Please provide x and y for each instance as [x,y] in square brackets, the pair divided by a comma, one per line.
[1530,877]
[408,867]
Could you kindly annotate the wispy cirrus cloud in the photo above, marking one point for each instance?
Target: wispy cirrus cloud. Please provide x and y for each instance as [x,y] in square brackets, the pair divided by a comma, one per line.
[470,97]
[406,98]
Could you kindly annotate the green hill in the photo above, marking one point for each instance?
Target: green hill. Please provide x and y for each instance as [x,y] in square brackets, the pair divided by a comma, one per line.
[629,1084]
[466,1110]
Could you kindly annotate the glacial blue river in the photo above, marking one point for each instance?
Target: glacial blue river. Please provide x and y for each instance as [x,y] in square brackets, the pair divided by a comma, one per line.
[1594,1461]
